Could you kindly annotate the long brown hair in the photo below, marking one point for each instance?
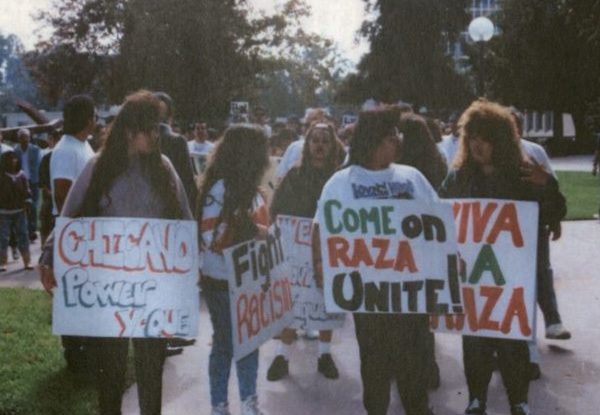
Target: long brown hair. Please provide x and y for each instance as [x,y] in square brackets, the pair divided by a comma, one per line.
[419,149]
[139,113]
[493,123]
[240,158]
[335,156]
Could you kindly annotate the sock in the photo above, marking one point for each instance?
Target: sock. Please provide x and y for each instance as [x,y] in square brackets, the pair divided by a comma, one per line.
[324,348]
[534,355]
[283,350]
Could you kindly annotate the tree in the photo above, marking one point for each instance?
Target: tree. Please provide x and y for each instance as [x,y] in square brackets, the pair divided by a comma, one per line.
[407,60]
[548,56]
[301,69]
[205,53]
[15,81]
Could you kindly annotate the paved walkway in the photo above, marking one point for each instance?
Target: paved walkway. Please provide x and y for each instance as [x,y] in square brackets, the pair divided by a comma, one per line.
[569,383]
[571,369]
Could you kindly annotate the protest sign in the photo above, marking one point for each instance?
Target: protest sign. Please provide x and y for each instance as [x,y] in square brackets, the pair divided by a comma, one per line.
[239,111]
[389,256]
[498,244]
[309,303]
[259,290]
[125,277]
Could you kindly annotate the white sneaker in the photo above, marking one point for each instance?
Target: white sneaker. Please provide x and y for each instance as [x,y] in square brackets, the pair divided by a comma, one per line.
[557,332]
[250,406]
[220,409]
[311,334]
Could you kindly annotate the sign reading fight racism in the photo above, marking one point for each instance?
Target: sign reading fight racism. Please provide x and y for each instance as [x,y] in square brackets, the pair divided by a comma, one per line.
[498,243]
[309,304]
[125,277]
[389,256]
[260,292]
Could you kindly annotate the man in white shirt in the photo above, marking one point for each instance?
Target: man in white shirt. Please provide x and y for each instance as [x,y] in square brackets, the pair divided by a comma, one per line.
[200,144]
[449,144]
[546,295]
[69,157]
[73,151]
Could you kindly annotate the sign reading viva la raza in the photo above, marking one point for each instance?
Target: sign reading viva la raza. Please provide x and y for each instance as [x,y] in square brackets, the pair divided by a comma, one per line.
[259,291]
[389,256]
[125,277]
[309,304]
[498,243]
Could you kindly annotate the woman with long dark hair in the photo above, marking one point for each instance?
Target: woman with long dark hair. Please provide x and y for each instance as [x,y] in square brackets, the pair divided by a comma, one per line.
[130,178]
[490,163]
[297,195]
[231,209]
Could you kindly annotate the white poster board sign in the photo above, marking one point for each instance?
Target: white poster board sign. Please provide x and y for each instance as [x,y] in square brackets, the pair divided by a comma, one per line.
[259,290]
[498,244]
[125,277]
[389,256]
[309,303]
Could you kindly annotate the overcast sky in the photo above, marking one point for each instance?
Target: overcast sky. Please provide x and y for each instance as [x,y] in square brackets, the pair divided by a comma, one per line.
[335,19]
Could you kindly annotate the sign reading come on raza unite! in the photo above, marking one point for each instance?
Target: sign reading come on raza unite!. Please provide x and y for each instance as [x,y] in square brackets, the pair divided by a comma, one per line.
[125,277]
[498,244]
[389,256]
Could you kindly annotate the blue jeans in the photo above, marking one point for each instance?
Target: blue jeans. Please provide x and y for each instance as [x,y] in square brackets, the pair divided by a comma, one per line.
[33,212]
[546,296]
[221,354]
[19,220]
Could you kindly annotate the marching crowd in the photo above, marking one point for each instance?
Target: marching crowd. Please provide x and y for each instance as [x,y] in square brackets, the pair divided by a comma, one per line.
[142,168]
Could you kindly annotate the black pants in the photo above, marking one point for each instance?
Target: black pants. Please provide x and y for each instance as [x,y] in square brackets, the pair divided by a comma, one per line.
[392,347]
[111,359]
[479,357]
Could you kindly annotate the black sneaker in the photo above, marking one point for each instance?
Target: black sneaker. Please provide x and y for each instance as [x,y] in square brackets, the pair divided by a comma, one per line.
[278,369]
[520,409]
[476,407]
[327,366]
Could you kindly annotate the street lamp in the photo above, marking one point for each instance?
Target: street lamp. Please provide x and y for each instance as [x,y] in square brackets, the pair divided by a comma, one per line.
[481,29]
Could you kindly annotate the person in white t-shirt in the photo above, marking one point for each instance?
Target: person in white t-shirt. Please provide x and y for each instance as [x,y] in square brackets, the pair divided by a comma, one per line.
[73,151]
[449,144]
[200,143]
[546,295]
[69,158]
[390,345]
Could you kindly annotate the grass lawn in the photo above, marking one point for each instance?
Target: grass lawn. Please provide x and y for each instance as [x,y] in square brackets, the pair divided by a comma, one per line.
[33,379]
[582,192]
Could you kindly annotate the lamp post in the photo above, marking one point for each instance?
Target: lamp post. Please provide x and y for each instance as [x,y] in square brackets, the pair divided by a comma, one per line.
[481,29]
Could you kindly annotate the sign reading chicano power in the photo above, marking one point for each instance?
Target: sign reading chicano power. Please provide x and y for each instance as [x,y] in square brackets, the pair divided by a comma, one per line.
[389,256]
[498,244]
[125,277]
[309,304]
[259,290]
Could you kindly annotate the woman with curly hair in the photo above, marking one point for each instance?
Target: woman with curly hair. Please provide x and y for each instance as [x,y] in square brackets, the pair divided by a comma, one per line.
[129,178]
[231,209]
[490,163]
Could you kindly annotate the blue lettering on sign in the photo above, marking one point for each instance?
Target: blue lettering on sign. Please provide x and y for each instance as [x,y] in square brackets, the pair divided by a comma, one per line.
[384,190]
